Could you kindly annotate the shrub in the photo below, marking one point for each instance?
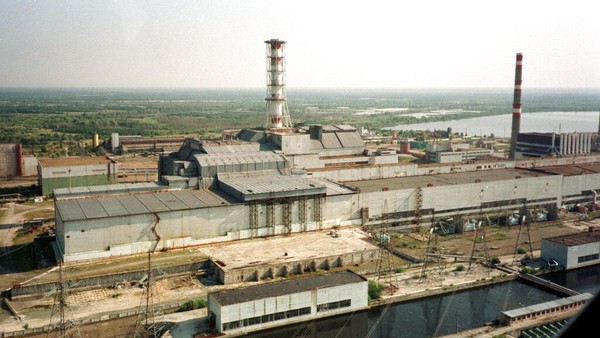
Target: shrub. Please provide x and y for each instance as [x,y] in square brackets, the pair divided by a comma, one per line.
[375,290]
[459,267]
[495,260]
[521,250]
[192,305]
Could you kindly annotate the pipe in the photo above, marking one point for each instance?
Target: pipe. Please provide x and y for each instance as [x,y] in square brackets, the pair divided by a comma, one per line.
[516,115]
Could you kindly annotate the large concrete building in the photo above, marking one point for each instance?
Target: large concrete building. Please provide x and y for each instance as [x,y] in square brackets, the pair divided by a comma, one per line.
[564,144]
[284,179]
[75,172]
[258,307]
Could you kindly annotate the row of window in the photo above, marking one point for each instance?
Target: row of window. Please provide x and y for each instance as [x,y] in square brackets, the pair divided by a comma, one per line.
[333,305]
[266,318]
[587,258]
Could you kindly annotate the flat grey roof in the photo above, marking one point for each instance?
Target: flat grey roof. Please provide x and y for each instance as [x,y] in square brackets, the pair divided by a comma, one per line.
[135,204]
[286,287]
[269,184]
[586,237]
[107,189]
[411,182]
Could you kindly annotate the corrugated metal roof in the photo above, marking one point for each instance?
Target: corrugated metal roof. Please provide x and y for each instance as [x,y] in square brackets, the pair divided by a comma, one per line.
[69,210]
[73,161]
[349,139]
[535,308]
[286,287]
[113,207]
[316,144]
[232,159]
[123,205]
[172,202]
[92,208]
[120,188]
[581,238]
[345,127]
[261,185]
[152,203]
[330,128]
[330,140]
[189,199]
[133,205]
[268,182]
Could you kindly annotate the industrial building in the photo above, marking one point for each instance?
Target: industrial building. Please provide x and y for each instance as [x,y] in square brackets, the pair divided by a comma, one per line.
[10,160]
[548,144]
[279,180]
[529,312]
[258,307]
[75,172]
[573,251]
[137,143]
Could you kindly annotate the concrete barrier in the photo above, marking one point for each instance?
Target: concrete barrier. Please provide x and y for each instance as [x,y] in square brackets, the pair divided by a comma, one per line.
[105,280]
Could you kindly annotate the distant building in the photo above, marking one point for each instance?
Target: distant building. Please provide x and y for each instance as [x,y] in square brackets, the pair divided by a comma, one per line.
[544,144]
[459,156]
[574,250]
[10,161]
[263,306]
[75,172]
[137,143]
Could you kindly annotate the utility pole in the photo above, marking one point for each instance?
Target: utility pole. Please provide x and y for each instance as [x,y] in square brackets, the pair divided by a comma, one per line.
[65,328]
[386,272]
[149,324]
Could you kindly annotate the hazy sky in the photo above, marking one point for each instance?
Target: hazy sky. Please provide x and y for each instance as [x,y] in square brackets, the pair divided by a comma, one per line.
[330,44]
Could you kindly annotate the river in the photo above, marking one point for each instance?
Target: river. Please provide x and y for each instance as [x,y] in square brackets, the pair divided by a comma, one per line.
[500,125]
[440,315]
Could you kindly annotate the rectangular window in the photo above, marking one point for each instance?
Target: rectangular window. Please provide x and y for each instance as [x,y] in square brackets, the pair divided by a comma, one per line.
[266,318]
[587,258]
[334,305]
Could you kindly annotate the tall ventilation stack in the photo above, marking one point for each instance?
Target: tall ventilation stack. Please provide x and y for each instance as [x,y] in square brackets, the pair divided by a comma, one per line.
[516,115]
[278,116]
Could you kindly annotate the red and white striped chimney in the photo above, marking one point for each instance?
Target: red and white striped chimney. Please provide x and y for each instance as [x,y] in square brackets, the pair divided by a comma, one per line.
[516,113]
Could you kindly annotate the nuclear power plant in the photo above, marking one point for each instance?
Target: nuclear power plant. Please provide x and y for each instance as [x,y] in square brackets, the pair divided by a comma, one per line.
[281,179]
[280,200]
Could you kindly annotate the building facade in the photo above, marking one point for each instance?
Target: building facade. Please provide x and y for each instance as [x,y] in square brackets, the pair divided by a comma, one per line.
[573,251]
[75,172]
[263,306]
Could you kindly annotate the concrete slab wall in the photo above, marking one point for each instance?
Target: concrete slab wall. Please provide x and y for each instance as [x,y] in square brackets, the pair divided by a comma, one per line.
[254,273]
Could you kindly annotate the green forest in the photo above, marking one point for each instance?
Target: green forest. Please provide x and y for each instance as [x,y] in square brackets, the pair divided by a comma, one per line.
[58,122]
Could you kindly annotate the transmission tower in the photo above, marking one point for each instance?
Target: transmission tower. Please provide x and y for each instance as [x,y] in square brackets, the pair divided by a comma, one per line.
[432,242]
[386,273]
[149,323]
[524,222]
[65,327]
[479,237]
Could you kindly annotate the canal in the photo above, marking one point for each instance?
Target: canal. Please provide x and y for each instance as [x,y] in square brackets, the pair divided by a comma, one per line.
[440,315]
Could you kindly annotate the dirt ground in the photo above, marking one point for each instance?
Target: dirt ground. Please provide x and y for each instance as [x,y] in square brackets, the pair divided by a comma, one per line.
[500,242]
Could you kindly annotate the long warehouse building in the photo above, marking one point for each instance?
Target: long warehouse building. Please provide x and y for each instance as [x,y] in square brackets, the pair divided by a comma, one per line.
[266,203]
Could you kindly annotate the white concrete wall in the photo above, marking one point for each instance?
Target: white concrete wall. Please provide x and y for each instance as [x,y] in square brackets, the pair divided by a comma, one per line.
[356,292]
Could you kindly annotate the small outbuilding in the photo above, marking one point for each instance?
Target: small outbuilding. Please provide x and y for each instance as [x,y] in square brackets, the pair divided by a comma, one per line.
[263,306]
[573,250]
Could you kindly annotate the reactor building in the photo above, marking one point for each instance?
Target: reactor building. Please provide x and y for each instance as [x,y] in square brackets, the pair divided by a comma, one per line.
[280,180]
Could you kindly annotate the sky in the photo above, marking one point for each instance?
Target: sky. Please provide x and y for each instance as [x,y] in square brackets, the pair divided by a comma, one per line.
[330,44]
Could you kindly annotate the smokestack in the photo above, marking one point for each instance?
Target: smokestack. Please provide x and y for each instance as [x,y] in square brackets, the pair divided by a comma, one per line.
[516,115]
[277,111]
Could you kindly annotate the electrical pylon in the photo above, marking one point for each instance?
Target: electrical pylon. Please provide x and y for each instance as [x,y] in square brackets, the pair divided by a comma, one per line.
[65,327]
[525,222]
[149,322]
[386,272]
